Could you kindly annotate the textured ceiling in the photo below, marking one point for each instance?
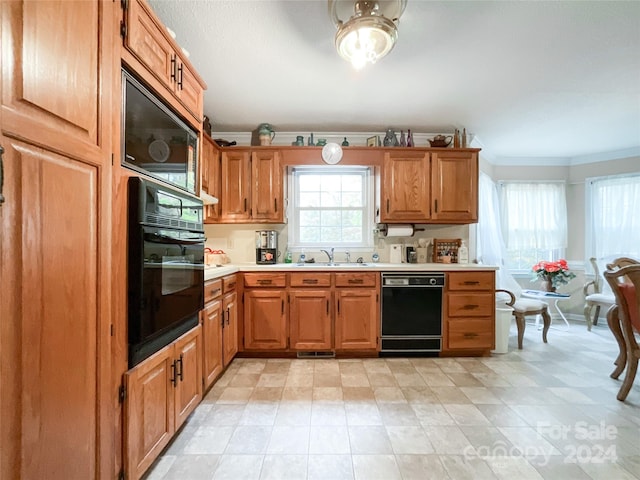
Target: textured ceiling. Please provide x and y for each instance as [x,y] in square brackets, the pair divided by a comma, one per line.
[557,80]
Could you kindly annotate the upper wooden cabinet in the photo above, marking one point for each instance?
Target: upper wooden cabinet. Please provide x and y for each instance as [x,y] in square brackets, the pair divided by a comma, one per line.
[405,188]
[250,187]
[454,186]
[210,171]
[148,44]
[429,187]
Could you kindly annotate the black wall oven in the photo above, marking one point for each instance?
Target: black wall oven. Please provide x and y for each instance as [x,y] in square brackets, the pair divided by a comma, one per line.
[165,266]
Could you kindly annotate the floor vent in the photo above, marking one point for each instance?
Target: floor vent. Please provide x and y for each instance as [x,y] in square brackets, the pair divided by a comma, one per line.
[316,354]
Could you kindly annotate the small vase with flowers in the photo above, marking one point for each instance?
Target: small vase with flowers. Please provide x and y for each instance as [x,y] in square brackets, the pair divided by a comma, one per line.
[552,274]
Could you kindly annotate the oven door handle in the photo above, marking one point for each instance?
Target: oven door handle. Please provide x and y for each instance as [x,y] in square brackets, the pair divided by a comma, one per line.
[158,238]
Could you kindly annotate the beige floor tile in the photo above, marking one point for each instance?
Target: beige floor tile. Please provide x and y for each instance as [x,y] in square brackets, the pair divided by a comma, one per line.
[397,414]
[432,414]
[196,467]
[326,440]
[299,380]
[272,380]
[421,467]
[464,379]
[467,415]
[449,365]
[297,394]
[376,467]
[460,467]
[209,440]
[333,394]
[437,379]
[249,439]
[327,380]
[289,440]
[266,394]
[389,395]
[284,467]
[223,414]
[325,413]
[450,395]
[357,394]
[413,379]
[554,467]
[481,395]
[244,380]
[376,365]
[351,366]
[298,413]
[508,468]
[239,467]
[369,440]
[419,395]
[502,416]
[235,395]
[277,365]
[354,380]
[259,414]
[329,467]
[409,440]
[359,413]
[160,467]
[449,440]
[247,365]
[382,379]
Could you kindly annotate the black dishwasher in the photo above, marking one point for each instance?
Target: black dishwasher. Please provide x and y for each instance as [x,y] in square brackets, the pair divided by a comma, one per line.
[411,317]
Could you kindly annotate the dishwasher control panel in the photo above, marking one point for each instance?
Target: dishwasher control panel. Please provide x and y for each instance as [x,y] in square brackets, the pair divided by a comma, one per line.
[408,280]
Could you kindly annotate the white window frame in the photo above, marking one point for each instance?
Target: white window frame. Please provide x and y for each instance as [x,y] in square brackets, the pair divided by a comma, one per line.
[367,208]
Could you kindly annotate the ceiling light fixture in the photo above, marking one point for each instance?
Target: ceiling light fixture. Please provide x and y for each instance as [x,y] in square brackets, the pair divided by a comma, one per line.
[370,33]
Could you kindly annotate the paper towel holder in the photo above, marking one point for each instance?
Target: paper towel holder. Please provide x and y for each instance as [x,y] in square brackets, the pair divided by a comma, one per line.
[383,228]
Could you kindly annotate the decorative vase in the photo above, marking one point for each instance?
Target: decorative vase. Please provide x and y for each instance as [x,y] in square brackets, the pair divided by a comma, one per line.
[547,286]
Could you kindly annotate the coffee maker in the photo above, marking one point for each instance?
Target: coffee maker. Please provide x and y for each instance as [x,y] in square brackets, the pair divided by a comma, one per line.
[266,246]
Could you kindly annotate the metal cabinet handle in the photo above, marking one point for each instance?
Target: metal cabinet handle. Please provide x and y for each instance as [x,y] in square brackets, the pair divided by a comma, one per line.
[1,175]
[228,315]
[355,280]
[282,307]
[245,204]
[222,315]
[470,335]
[174,379]
[264,281]
[387,205]
[181,367]
[470,307]
[327,307]
[180,71]
[312,281]
[471,282]
[173,67]
[275,204]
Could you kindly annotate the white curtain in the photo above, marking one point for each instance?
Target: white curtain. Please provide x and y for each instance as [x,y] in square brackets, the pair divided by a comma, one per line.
[615,223]
[491,248]
[534,215]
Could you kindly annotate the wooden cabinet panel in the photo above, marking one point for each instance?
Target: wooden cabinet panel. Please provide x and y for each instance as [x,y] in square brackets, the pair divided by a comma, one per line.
[266,183]
[188,353]
[471,281]
[149,411]
[235,190]
[229,283]
[188,89]
[357,319]
[470,304]
[212,290]
[265,280]
[405,192]
[265,320]
[471,333]
[211,341]
[210,171]
[57,96]
[353,279]
[310,320]
[310,279]
[230,327]
[455,186]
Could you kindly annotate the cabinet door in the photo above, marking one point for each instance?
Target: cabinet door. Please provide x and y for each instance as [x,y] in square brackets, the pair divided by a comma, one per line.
[357,315]
[188,358]
[455,186]
[235,193]
[405,190]
[265,320]
[145,40]
[188,90]
[149,410]
[212,341]
[230,328]
[210,178]
[310,320]
[57,92]
[266,181]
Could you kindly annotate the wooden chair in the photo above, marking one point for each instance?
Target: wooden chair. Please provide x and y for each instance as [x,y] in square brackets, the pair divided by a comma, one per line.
[625,284]
[594,296]
[614,322]
[524,307]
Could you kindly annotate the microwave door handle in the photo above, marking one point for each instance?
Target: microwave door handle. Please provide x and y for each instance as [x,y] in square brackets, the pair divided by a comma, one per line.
[157,238]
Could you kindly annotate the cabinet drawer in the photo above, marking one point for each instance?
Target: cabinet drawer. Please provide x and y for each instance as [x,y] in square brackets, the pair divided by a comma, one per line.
[265,280]
[310,279]
[471,281]
[212,289]
[470,304]
[470,334]
[228,283]
[356,279]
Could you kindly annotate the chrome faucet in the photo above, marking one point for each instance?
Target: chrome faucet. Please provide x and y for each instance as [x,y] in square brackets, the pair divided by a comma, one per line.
[347,256]
[330,255]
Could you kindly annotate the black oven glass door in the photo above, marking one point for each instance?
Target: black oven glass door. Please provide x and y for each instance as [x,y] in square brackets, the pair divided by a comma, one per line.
[411,310]
[172,278]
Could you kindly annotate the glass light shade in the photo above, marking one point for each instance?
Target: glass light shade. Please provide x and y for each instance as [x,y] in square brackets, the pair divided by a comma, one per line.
[366,39]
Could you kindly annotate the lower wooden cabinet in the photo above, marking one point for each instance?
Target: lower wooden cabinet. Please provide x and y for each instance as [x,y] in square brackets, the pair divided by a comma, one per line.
[229,327]
[160,393]
[265,319]
[357,311]
[469,312]
[211,318]
[310,314]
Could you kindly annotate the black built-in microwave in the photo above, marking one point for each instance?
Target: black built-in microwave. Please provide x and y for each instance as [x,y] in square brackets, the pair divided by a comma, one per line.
[155,140]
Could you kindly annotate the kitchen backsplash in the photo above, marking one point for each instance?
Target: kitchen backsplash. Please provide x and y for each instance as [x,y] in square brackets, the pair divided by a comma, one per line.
[238,242]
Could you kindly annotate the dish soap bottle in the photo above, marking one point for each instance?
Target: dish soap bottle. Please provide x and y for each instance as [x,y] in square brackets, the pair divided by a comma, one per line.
[463,253]
[288,258]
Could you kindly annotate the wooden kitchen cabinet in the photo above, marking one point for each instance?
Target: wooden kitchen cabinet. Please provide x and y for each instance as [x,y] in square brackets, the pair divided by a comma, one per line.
[357,320]
[211,181]
[454,186]
[425,186]
[229,319]
[265,314]
[211,319]
[149,43]
[405,195]
[266,186]
[310,312]
[469,312]
[161,392]
[58,92]
[235,191]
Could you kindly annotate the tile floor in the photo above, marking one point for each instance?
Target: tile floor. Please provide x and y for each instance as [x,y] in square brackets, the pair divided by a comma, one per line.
[546,412]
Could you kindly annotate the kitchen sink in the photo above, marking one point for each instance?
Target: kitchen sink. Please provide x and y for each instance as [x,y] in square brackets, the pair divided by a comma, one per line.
[331,265]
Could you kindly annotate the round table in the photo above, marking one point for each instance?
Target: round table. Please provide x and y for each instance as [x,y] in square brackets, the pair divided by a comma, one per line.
[546,296]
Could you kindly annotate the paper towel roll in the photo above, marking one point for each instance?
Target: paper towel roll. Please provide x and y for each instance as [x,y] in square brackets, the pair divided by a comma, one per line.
[399,231]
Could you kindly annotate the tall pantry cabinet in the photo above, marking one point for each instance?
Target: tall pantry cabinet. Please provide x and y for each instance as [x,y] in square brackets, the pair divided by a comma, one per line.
[57,89]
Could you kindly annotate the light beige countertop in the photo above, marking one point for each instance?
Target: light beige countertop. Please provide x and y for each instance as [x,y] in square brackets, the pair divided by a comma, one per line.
[216,272]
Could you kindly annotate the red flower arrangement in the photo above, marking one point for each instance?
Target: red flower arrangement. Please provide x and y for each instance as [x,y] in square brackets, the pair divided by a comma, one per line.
[557,273]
